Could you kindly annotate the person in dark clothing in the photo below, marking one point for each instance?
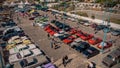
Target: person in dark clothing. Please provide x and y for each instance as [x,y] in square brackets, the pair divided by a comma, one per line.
[65,59]
[48,35]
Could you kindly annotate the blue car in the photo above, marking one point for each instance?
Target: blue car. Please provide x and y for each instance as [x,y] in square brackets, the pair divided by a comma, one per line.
[90,52]
[82,46]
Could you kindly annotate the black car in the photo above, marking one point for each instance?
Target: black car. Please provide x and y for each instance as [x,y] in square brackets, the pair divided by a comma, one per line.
[35,14]
[82,46]
[63,36]
[8,24]
[90,52]
[8,36]
[26,62]
[13,31]
[100,27]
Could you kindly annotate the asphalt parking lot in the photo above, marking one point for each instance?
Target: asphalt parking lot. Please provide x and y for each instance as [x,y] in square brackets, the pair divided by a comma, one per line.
[39,36]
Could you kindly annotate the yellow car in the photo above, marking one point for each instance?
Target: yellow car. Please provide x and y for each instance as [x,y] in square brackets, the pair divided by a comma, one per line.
[9,46]
[27,42]
[17,41]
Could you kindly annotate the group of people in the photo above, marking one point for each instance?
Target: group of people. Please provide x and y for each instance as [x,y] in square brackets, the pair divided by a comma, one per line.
[53,42]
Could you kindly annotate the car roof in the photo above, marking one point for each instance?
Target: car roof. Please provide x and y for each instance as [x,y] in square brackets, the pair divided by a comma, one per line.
[21,46]
[31,46]
[36,51]
[25,52]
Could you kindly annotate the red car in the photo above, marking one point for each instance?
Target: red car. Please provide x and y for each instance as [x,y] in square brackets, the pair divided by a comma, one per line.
[79,34]
[48,30]
[94,40]
[73,31]
[53,32]
[69,40]
[104,45]
[48,26]
[86,36]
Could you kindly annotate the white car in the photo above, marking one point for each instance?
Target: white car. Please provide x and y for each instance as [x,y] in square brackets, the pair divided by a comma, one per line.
[24,54]
[21,47]
[60,33]
[32,62]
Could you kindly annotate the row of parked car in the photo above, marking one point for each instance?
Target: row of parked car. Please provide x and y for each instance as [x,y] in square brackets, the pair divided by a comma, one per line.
[83,35]
[68,35]
[21,51]
[98,27]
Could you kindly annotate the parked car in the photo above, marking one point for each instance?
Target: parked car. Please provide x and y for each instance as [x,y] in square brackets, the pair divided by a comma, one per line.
[21,47]
[8,36]
[12,30]
[72,31]
[94,40]
[59,33]
[90,52]
[75,43]
[104,45]
[115,32]
[49,65]
[24,54]
[63,36]
[82,46]
[32,62]
[100,27]
[79,33]
[86,36]
[112,58]
[107,29]
[69,39]
[8,24]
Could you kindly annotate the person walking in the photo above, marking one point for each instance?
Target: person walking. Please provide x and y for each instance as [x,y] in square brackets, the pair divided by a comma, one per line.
[52,42]
[48,35]
[65,60]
